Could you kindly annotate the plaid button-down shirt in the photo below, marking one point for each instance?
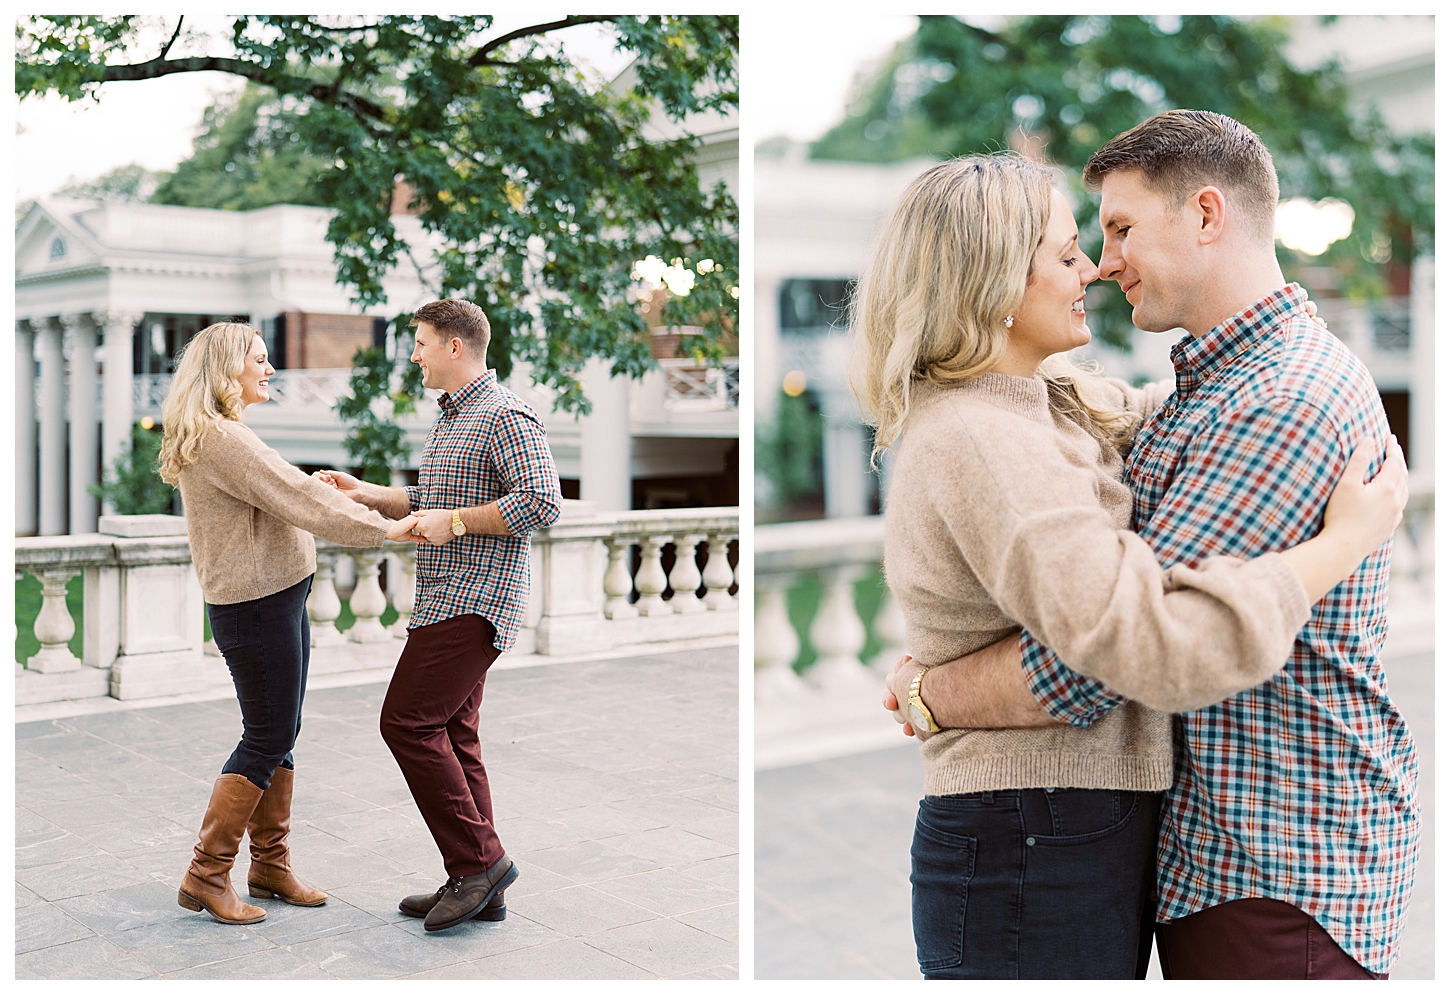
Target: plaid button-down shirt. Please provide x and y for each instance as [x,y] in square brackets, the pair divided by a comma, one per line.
[1302,789]
[487,445]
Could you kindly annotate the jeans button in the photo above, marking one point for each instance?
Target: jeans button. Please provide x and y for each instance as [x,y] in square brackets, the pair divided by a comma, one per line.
[1031,841]
[1049,790]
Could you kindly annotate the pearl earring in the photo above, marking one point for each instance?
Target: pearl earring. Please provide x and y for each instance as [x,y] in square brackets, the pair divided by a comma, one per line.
[1007,321]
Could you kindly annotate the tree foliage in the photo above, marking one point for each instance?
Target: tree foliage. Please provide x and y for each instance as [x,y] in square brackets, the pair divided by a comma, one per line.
[1063,85]
[537,186]
[127,184]
[131,483]
[248,153]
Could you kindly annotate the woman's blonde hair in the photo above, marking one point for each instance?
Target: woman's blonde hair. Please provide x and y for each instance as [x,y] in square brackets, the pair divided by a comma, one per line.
[951,263]
[206,389]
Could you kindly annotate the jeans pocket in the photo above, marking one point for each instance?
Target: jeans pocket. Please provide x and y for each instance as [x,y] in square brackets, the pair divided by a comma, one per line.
[942,865]
[1089,816]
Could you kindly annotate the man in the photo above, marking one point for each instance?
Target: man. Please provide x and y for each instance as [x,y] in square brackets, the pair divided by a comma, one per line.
[1288,841]
[486,481]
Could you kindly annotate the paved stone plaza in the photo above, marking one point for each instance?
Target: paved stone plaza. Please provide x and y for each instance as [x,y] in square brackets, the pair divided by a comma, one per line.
[832,889]
[615,783]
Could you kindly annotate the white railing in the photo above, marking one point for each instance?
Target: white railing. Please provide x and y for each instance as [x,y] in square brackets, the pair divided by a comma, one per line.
[690,386]
[600,582]
[294,389]
[834,707]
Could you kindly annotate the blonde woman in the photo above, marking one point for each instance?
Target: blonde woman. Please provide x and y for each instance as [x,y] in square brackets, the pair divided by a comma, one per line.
[1007,509]
[250,516]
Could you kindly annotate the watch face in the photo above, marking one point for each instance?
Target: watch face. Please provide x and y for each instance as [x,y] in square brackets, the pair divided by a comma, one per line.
[917,718]
[458,528]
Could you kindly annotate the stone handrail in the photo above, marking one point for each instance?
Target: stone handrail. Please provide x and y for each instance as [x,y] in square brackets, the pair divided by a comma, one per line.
[142,628]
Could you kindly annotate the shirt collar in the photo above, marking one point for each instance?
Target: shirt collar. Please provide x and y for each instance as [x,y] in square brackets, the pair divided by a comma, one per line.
[1197,360]
[451,403]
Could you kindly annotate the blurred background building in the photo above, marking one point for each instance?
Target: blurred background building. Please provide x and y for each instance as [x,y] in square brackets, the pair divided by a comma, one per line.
[836,782]
[108,292]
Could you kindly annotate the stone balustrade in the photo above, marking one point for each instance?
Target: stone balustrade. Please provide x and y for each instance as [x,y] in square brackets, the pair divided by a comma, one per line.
[834,707]
[592,592]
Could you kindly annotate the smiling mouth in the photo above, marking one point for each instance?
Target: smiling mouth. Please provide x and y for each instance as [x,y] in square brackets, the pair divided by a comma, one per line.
[1079,306]
[1129,287]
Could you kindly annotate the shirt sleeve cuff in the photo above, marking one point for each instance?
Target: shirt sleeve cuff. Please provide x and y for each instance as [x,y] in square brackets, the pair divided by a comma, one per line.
[1062,692]
[412,492]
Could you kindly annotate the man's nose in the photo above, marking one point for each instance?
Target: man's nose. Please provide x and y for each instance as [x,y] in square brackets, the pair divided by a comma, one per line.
[1110,264]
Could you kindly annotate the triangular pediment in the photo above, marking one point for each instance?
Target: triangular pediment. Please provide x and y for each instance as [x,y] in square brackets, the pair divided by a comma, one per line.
[51,238]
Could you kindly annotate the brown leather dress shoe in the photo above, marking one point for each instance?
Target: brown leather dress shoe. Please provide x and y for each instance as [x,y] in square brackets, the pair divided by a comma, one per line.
[419,906]
[465,897]
[270,875]
[208,881]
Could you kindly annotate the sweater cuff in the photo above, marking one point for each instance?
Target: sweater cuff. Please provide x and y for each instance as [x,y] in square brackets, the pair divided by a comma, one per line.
[1062,692]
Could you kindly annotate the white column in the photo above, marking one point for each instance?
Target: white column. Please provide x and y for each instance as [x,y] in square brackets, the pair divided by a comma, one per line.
[53,497]
[118,361]
[1422,367]
[83,441]
[27,521]
[604,440]
[844,465]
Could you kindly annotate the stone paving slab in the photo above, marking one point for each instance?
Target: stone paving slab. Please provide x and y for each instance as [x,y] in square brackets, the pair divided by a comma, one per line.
[615,784]
[832,860]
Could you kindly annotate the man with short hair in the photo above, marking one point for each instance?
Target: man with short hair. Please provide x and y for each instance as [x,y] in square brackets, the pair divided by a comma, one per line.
[1287,844]
[486,481]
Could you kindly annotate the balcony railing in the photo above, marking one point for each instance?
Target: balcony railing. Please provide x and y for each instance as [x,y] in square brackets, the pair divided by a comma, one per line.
[692,387]
[600,583]
[807,711]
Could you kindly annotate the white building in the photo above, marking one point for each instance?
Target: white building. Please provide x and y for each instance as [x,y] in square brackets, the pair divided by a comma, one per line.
[815,221]
[106,294]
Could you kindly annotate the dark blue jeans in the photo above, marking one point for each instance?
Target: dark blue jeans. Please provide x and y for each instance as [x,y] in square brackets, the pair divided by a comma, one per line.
[1034,883]
[266,644]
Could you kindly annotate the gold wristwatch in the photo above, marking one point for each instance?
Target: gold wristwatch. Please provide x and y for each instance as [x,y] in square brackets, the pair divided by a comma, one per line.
[916,710]
[458,528]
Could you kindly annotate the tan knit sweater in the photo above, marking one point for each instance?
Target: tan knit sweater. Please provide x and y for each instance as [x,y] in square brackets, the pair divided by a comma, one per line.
[1006,514]
[250,515]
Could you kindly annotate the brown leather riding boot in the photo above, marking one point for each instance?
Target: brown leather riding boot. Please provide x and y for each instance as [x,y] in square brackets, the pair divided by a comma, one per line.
[271,872]
[208,881]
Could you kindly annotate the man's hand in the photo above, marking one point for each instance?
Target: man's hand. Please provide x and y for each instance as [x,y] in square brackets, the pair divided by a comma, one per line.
[898,685]
[344,482]
[434,525]
[402,529]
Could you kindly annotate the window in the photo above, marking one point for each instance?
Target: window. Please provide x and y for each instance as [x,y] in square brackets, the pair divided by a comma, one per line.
[57,248]
[814,304]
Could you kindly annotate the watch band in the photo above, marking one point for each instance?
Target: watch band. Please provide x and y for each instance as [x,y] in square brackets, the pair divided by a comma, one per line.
[913,700]
[458,527]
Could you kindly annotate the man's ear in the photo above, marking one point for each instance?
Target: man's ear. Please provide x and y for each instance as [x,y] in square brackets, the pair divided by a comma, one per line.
[1209,208]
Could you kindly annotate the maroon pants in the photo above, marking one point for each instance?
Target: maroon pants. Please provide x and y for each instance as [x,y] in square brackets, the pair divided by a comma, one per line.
[430,722]
[1253,938]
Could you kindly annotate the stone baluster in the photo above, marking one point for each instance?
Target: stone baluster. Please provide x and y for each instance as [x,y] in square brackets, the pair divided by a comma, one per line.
[54,626]
[323,604]
[838,635]
[617,581]
[718,575]
[685,577]
[403,597]
[776,644]
[651,578]
[368,601]
[890,629]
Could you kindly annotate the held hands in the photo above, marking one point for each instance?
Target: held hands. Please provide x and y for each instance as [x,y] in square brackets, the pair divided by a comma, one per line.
[402,529]
[429,525]
[344,482]
[1364,515]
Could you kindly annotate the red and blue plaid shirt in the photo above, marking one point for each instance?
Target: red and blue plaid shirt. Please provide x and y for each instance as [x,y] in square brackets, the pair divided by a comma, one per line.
[487,445]
[1302,789]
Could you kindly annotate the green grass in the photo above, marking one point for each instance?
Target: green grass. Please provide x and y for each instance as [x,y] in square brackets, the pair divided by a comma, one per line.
[27,606]
[803,598]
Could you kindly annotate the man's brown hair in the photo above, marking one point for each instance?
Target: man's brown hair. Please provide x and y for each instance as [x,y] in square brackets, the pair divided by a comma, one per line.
[1180,151]
[451,318]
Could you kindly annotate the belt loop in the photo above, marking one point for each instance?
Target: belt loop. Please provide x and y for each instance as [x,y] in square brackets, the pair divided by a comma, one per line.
[986,797]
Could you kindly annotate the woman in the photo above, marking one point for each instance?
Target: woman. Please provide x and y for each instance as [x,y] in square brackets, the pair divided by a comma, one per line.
[249,518]
[975,288]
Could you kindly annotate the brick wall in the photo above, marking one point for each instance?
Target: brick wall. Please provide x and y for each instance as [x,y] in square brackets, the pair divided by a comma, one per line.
[325,341]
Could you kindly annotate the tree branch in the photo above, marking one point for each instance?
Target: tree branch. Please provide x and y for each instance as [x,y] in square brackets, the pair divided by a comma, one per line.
[179,20]
[480,58]
[328,93]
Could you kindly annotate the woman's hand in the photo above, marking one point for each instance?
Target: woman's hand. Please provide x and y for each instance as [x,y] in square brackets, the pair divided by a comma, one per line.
[344,482]
[402,529]
[1362,516]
